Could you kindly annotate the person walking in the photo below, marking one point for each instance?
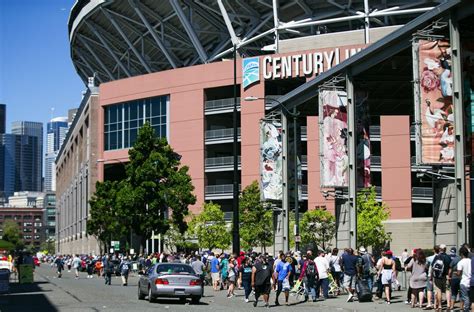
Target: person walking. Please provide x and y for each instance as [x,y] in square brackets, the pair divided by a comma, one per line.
[417,267]
[335,267]
[199,267]
[309,276]
[245,276]
[368,267]
[262,273]
[89,267]
[124,271]
[231,277]
[59,265]
[439,273]
[455,285]
[322,266]
[348,265]
[76,264]
[386,271]
[214,269]
[464,271]
[69,263]
[108,269]
[283,270]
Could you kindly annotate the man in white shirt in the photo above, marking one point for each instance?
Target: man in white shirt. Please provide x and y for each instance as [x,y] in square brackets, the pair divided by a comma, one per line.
[322,264]
[464,271]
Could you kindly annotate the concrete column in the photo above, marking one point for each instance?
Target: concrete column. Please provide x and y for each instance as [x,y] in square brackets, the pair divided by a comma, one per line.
[396,167]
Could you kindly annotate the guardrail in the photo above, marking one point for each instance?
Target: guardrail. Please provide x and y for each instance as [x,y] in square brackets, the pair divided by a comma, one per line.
[422,192]
[227,103]
[221,133]
[220,161]
[220,189]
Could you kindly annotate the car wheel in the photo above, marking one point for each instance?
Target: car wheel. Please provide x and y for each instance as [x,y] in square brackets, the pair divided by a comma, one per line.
[195,300]
[140,295]
[150,296]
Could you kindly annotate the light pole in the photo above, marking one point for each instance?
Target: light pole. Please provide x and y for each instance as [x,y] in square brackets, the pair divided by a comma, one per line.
[235,192]
[294,115]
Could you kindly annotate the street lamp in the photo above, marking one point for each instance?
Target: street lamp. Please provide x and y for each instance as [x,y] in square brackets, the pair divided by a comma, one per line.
[295,115]
[235,190]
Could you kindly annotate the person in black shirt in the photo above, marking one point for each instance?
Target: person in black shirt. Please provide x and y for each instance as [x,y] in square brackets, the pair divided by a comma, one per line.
[262,273]
[245,275]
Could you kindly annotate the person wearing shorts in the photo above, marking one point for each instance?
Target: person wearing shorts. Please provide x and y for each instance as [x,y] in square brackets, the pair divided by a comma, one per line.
[386,270]
[348,266]
[214,263]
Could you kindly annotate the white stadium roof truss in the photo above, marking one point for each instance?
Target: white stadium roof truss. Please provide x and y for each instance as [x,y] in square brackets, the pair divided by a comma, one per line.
[123,38]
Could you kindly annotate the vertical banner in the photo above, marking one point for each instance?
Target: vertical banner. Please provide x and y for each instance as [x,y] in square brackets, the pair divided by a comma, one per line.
[333,138]
[271,160]
[435,90]
[363,139]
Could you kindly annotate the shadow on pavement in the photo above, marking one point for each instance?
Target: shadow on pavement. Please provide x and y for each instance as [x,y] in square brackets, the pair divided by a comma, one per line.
[26,297]
[172,301]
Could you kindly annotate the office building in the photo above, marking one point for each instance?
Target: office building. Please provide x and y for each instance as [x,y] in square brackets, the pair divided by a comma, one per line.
[31,152]
[3,118]
[55,135]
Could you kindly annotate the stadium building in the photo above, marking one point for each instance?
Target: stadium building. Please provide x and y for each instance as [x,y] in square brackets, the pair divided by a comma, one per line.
[171,63]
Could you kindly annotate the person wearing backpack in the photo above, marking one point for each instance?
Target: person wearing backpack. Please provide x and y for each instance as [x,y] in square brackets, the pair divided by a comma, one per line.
[124,270]
[309,275]
[368,269]
[439,272]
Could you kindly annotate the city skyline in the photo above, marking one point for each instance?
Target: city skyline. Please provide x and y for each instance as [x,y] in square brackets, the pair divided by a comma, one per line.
[37,79]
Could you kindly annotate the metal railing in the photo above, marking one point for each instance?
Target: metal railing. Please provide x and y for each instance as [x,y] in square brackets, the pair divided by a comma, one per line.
[422,192]
[304,160]
[375,160]
[304,190]
[374,131]
[227,103]
[220,189]
[226,133]
[220,161]
[304,131]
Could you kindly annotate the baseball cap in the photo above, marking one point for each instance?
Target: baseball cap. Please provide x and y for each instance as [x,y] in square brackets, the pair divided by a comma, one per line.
[389,252]
[453,250]
[362,250]
[442,246]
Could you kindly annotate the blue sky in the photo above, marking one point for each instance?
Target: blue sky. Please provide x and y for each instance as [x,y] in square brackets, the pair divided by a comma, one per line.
[36,72]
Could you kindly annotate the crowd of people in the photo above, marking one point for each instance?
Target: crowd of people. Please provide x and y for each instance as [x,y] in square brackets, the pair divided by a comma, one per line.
[434,280]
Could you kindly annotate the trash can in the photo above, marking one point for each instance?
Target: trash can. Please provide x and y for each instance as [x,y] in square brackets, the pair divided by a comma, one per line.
[4,281]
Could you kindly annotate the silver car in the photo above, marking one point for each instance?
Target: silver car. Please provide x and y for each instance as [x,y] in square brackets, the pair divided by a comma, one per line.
[171,280]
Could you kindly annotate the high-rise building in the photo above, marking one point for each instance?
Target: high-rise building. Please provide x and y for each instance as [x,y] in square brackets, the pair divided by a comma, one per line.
[32,161]
[3,117]
[7,165]
[56,133]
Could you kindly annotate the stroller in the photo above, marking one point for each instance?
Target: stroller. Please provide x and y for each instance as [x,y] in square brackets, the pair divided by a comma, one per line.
[298,290]
[334,290]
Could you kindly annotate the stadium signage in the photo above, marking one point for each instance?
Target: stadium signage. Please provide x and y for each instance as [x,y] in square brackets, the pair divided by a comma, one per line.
[303,64]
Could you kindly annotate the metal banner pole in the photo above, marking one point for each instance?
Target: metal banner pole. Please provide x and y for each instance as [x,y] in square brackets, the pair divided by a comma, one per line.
[459,165]
[352,145]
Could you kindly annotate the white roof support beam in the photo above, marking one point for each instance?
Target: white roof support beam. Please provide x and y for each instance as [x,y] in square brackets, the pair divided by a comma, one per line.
[130,45]
[228,23]
[108,48]
[168,54]
[97,59]
[189,30]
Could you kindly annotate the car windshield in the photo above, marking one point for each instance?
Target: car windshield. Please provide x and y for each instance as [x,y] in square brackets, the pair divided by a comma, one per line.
[174,269]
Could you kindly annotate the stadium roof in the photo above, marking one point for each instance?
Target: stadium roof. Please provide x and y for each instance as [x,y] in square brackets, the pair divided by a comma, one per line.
[122,38]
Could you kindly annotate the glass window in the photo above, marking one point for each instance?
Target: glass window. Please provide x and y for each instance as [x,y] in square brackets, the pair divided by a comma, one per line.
[123,120]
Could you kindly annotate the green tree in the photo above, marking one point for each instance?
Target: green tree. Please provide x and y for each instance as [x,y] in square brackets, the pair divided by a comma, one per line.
[173,239]
[210,228]
[47,247]
[318,226]
[156,185]
[370,217]
[12,234]
[105,222]
[256,221]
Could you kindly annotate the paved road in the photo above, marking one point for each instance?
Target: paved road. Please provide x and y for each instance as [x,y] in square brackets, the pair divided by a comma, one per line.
[49,293]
